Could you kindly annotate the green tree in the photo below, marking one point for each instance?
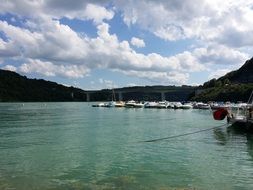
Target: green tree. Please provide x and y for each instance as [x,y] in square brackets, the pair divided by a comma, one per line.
[218,84]
[226,81]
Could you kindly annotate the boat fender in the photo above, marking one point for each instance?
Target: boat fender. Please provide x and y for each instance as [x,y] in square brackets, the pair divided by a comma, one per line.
[220,114]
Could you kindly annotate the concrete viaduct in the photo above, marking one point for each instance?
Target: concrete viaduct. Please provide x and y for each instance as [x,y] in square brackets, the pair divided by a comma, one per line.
[120,93]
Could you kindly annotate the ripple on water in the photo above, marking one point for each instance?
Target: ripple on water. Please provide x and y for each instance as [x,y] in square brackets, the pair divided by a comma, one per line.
[73,146]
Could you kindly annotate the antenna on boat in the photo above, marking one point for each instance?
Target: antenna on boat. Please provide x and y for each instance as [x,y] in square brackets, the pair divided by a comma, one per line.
[250,101]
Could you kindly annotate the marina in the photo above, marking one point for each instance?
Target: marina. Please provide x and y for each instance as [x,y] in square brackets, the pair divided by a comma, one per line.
[171,105]
[239,115]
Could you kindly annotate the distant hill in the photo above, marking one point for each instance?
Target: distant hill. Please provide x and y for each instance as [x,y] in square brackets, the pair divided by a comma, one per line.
[14,87]
[234,86]
[242,75]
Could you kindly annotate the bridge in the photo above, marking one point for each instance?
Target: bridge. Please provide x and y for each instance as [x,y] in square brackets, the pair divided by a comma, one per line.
[121,94]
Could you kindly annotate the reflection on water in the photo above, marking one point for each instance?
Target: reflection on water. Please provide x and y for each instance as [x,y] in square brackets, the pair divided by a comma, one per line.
[220,136]
[250,145]
[232,134]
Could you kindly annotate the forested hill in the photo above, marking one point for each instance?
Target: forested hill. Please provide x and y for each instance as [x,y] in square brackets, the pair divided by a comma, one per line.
[234,86]
[14,87]
[242,75]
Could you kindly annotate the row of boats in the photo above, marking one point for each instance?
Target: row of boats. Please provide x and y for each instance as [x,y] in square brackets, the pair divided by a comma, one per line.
[159,105]
[171,105]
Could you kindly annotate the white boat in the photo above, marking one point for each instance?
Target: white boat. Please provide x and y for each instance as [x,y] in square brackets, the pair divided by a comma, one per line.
[130,104]
[242,119]
[243,116]
[204,106]
[201,105]
[186,106]
[177,105]
[170,105]
[139,105]
[162,105]
[99,105]
[110,104]
[120,104]
[107,104]
[150,105]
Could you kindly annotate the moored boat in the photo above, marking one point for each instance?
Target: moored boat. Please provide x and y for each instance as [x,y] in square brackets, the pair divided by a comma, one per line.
[186,106]
[177,105]
[201,105]
[110,104]
[130,104]
[99,105]
[150,105]
[120,104]
[243,119]
[162,105]
[138,105]
[240,118]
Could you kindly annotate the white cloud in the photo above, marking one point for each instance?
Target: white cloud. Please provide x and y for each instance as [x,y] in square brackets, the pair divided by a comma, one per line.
[9,68]
[51,48]
[47,42]
[79,9]
[226,22]
[218,73]
[49,53]
[107,83]
[160,77]
[49,69]
[220,55]
[170,33]
[137,42]
[132,84]
[8,49]
[97,13]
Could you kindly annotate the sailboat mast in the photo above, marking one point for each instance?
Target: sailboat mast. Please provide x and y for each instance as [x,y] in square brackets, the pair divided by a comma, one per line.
[250,101]
[113,95]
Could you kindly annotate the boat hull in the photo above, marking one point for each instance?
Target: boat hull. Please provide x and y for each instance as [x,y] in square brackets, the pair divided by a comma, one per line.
[242,124]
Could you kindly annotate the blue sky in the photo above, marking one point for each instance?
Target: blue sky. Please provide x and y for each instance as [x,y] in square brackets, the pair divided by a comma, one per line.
[116,43]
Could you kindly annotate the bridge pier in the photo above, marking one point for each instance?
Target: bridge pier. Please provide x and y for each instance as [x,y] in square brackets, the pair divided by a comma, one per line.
[163,96]
[120,96]
[87,97]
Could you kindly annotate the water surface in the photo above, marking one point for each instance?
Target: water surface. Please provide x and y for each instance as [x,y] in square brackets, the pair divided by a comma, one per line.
[75,146]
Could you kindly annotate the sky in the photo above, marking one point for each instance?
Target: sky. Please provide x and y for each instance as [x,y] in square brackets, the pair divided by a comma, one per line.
[98,44]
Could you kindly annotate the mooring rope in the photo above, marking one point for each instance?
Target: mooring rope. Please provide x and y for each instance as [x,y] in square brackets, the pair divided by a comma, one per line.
[181,135]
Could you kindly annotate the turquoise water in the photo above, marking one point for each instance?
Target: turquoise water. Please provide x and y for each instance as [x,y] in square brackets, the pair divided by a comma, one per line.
[75,146]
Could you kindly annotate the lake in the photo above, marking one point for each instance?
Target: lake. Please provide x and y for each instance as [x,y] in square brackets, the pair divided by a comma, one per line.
[62,146]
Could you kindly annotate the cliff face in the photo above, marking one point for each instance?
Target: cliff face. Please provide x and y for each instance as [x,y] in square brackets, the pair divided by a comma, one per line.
[242,75]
